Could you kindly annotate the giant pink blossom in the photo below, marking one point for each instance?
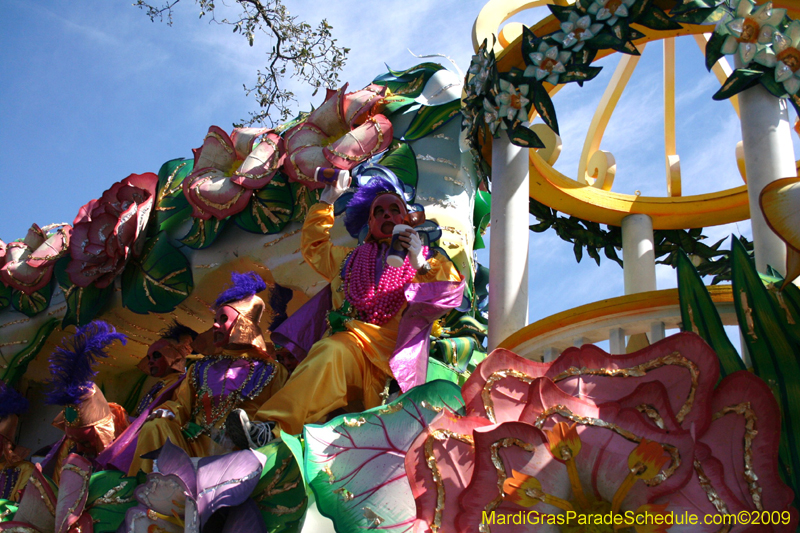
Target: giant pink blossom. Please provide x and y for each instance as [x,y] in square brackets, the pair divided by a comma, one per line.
[28,264]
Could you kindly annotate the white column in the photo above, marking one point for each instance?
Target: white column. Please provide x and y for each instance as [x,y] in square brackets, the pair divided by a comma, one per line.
[638,254]
[769,155]
[508,247]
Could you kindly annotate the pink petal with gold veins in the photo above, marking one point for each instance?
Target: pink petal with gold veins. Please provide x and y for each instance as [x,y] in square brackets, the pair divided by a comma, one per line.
[72,492]
[302,163]
[372,137]
[25,278]
[449,439]
[260,166]
[217,150]
[359,105]
[35,237]
[329,117]
[740,397]
[54,247]
[243,138]
[215,194]
[304,135]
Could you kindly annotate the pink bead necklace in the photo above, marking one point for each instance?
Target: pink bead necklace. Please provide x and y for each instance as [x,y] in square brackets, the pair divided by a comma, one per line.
[376,304]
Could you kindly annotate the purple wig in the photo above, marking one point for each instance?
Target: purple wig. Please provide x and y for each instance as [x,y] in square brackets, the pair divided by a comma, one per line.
[72,365]
[176,330]
[358,208]
[11,401]
[242,286]
[278,302]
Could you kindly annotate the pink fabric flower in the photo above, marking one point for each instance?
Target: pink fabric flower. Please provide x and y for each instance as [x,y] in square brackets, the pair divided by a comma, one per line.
[108,231]
[344,131]
[28,264]
[227,169]
[651,434]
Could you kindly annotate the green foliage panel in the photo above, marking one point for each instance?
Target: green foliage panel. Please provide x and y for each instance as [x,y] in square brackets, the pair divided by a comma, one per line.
[203,233]
[159,280]
[18,364]
[401,160]
[83,303]
[430,118]
[281,493]
[110,497]
[270,208]
[172,208]
[32,304]
[408,83]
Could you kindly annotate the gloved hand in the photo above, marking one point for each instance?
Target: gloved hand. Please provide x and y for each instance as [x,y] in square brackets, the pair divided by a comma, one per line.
[161,413]
[413,244]
[333,191]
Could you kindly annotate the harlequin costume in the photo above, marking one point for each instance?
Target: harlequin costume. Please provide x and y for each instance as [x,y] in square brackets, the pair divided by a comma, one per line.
[14,469]
[380,323]
[242,375]
[90,423]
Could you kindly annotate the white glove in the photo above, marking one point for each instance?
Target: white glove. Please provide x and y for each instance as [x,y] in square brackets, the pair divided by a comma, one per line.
[333,191]
[161,413]
[416,256]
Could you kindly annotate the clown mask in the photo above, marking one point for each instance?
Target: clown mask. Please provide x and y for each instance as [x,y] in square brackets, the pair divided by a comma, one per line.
[163,355]
[385,213]
[224,321]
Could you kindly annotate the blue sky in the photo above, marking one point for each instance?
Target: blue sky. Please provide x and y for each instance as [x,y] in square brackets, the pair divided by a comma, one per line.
[93,91]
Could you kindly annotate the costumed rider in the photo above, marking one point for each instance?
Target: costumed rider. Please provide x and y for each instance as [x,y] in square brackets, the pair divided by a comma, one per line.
[382,315]
[90,422]
[14,469]
[166,361]
[241,375]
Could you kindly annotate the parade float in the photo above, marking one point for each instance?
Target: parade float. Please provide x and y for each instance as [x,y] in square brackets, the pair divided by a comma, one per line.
[503,425]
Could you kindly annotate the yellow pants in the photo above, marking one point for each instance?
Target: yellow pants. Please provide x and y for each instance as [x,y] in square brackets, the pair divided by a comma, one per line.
[337,372]
[154,435]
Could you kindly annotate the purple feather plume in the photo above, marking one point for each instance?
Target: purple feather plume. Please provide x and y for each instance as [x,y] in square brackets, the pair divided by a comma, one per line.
[242,286]
[358,208]
[72,363]
[11,401]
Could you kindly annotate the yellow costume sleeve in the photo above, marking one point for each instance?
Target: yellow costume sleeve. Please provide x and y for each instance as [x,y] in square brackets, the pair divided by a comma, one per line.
[442,269]
[316,246]
[181,402]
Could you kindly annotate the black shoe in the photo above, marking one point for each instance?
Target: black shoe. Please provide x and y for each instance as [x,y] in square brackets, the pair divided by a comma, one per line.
[246,434]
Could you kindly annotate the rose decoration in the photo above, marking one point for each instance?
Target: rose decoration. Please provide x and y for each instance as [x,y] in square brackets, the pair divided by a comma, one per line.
[344,131]
[594,435]
[107,231]
[227,169]
[28,264]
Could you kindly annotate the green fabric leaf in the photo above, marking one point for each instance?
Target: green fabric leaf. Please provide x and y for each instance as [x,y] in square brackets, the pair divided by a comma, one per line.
[544,106]
[439,371]
[772,350]
[579,73]
[83,303]
[270,208]
[691,5]
[638,7]
[739,80]
[171,205]
[203,233]
[430,118]
[481,215]
[32,304]
[561,12]
[281,493]
[5,296]
[110,497]
[295,444]
[18,364]
[455,352]
[159,280]
[524,137]
[699,16]
[7,510]
[355,463]
[401,160]
[699,315]
[393,104]
[655,19]
[303,198]
[769,83]
[714,49]
[410,82]
[607,40]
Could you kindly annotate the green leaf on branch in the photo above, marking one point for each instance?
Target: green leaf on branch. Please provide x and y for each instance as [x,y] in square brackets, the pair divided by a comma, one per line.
[430,118]
[699,16]
[83,303]
[159,280]
[561,12]
[544,106]
[171,205]
[410,82]
[401,160]
[32,304]
[739,80]
[768,81]
[203,233]
[655,19]
[395,103]
[524,137]
[691,5]
[714,49]
[579,73]
[269,209]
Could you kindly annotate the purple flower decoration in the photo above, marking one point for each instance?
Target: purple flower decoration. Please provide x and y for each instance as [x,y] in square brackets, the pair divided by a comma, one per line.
[185,491]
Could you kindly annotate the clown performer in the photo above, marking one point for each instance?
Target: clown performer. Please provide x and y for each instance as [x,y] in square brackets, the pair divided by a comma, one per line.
[165,361]
[241,374]
[382,315]
[14,469]
[90,423]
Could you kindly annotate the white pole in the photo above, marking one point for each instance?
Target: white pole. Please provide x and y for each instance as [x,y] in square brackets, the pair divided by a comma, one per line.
[638,254]
[508,247]
[769,155]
